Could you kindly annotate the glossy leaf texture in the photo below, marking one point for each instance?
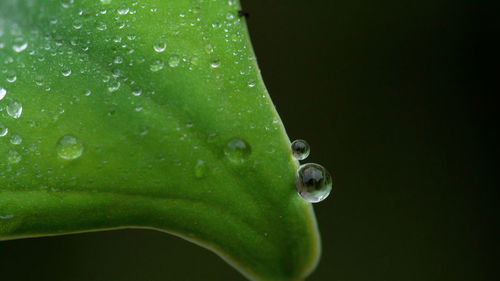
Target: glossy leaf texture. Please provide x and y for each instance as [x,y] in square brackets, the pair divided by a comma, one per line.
[147,114]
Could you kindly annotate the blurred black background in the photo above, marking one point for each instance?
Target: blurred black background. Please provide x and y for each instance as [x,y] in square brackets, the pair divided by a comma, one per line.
[396,99]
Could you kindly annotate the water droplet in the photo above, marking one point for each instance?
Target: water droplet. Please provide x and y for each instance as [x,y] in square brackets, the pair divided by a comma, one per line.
[136,91]
[16,139]
[200,169]
[11,77]
[237,150]
[123,10]
[20,47]
[195,61]
[300,149]
[143,130]
[118,60]
[160,46]
[173,61]
[114,86]
[209,49]
[101,26]
[215,62]
[6,217]
[157,65]
[313,182]
[77,24]
[69,148]
[3,92]
[66,3]
[13,157]
[3,130]
[14,109]
[87,93]
[66,72]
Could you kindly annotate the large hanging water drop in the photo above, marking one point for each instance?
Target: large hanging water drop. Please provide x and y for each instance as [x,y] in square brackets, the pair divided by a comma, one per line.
[69,148]
[237,150]
[313,182]
[300,149]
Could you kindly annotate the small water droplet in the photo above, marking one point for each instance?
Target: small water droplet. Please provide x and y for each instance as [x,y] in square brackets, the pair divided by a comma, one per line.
[20,47]
[13,157]
[77,24]
[3,130]
[14,109]
[143,130]
[173,61]
[16,139]
[300,149]
[313,182]
[200,169]
[215,62]
[66,3]
[237,150]
[11,77]
[123,10]
[3,92]
[157,65]
[136,91]
[114,86]
[160,46]
[195,61]
[118,60]
[101,26]
[87,93]
[209,49]
[69,148]
[66,71]
[6,217]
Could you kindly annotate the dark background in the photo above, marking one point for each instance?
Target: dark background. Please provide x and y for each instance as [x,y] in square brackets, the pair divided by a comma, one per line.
[396,99]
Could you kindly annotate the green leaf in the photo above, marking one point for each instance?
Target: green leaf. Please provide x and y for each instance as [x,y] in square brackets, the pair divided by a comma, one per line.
[147,114]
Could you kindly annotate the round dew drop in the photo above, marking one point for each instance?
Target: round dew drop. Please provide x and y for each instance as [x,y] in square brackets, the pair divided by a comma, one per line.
[215,62]
[20,48]
[66,72]
[160,46]
[313,182]
[69,148]
[156,66]
[13,157]
[300,149]
[14,109]
[173,60]
[16,139]
[237,150]
[3,92]
[3,130]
